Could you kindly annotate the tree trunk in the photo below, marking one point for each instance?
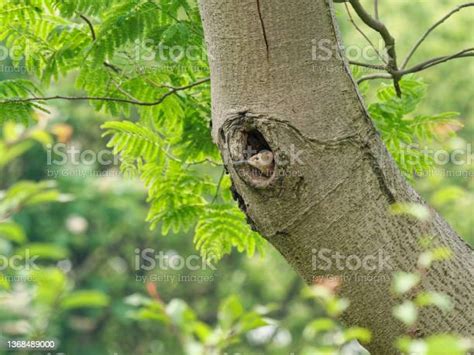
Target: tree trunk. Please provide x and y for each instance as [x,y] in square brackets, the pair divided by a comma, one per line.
[333,181]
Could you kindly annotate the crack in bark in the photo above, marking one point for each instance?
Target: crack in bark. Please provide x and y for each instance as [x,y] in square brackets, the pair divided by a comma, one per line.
[242,206]
[263,27]
[379,174]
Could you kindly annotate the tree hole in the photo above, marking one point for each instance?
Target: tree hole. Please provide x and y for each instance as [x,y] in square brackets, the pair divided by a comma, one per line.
[255,144]
[258,155]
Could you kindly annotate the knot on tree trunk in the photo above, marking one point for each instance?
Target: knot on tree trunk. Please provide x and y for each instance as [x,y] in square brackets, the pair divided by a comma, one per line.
[254,151]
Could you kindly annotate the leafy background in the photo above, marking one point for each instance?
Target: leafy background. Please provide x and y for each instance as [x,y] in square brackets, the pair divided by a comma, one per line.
[87,221]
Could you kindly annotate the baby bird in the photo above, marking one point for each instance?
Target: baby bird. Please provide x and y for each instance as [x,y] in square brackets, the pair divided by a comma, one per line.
[263,162]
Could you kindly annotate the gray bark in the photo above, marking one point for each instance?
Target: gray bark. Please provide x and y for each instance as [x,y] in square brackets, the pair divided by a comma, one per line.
[335,194]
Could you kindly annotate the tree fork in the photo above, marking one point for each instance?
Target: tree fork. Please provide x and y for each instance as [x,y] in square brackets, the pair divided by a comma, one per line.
[275,86]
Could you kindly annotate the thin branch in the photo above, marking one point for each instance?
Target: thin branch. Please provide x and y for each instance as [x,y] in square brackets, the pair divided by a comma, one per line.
[373,76]
[113,67]
[351,19]
[431,29]
[111,99]
[204,161]
[376,9]
[94,37]
[367,65]
[218,189]
[380,27]
[123,91]
[438,60]
[91,27]
[469,52]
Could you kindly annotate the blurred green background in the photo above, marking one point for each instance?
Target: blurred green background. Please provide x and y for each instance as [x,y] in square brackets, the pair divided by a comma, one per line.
[93,238]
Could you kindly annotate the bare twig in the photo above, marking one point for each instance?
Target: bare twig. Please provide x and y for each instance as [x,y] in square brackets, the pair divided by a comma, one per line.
[91,27]
[123,91]
[438,60]
[373,76]
[469,52]
[172,91]
[351,19]
[431,29]
[94,37]
[393,71]
[367,65]
[380,27]
[204,161]
[218,189]
[113,67]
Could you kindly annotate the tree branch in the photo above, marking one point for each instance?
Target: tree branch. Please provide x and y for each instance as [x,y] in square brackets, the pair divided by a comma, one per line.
[438,60]
[376,9]
[91,27]
[379,27]
[94,37]
[367,65]
[373,76]
[363,34]
[219,184]
[172,91]
[469,52]
[431,29]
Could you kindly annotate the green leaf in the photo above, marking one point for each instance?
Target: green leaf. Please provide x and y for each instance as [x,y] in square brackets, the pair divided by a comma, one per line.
[181,314]
[438,344]
[85,299]
[230,311]
[44,251]
[202,331]
[250,321]
[437,254]
[222,227]
[415,210]
[404,282]
[452,344]
[447,195]
[432,298]
[318,326]
[13,232]
[406,312]
[4,283]
[363,335]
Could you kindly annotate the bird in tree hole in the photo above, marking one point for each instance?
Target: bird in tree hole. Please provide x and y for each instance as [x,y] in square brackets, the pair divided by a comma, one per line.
[262,161]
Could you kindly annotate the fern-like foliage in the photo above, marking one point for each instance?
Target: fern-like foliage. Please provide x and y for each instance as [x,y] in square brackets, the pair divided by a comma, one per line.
[179,196]
[127,50]
[134,141]
[69,8]
[406,134]
[124,23]
[222,228]
[176,197]
[17,111]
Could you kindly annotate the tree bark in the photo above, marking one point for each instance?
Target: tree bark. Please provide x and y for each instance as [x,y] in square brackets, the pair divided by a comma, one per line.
[333,181]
